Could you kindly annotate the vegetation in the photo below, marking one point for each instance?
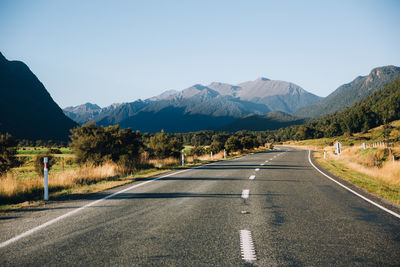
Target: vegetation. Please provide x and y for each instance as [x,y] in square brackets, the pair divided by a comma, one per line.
[96,145]
[376,168]
[7,153]
[380,108]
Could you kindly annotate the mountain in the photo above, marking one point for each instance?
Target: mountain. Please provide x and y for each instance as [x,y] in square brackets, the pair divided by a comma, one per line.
[199,107]
[271,121]
[381,107]
[27,110]
[350,93]
[88,112]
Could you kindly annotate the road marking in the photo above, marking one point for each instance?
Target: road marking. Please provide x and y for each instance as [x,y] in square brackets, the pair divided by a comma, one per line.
[37,228]
[245,193]
[252,177]
[266,161]
[257,169]
[352,191]
[247,246]
[262,164]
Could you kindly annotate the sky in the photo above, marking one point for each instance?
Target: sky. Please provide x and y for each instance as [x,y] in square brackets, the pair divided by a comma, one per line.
[108,52]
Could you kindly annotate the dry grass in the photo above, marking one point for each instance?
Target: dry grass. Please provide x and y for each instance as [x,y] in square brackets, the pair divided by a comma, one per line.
[14,189]
[370,162]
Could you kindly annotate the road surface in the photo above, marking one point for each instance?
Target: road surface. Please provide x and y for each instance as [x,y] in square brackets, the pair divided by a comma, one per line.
[266,209]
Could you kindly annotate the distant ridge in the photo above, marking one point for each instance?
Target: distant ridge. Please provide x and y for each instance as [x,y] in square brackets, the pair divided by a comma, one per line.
[27,110]
[271,121]
[350,93]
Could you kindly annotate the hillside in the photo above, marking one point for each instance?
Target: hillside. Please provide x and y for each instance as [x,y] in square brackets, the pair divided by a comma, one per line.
[351,93]
[271,121]
[27,110]
[381,107]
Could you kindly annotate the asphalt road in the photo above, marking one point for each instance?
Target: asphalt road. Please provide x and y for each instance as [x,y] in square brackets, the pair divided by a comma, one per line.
[294,216]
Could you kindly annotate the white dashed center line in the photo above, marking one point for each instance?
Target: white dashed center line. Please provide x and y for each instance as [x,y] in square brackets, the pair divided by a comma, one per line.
[262,164]
[245,193]
[257,169]
[252,177]
[247,246]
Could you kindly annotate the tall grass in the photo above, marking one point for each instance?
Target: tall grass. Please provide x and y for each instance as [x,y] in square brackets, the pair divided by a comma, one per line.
[13,190]
[372,162]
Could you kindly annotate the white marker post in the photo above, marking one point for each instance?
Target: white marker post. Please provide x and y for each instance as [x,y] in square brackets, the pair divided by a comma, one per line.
[364,147]
[212,157]
[224,154]
[183,159]
[46,179]
[324,155]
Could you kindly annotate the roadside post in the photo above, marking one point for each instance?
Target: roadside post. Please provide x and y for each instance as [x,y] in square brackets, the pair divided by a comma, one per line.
[212,157]
[224,154]
[338,148]
[46,178]
[363,146]
[324,155]
[183,158]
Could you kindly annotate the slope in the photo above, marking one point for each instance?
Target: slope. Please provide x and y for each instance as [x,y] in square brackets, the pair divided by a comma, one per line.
[27,110]
[350,93]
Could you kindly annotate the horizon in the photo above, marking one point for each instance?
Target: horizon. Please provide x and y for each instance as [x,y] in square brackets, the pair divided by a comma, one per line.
[106,53]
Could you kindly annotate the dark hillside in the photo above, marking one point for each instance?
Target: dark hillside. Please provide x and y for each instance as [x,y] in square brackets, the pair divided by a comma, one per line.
[27,110]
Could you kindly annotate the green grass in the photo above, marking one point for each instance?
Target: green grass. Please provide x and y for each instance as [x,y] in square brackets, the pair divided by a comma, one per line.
[371,184]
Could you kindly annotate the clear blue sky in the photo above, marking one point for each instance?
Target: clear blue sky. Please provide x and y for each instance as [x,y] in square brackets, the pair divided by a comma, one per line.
[118,51]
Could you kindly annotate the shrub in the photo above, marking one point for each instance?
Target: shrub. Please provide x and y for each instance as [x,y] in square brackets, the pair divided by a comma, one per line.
[92,144]
[38,162]
[8,151]
[233,144]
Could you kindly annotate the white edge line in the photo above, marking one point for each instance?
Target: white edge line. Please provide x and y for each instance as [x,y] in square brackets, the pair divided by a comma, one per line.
[37,228]
[352,191]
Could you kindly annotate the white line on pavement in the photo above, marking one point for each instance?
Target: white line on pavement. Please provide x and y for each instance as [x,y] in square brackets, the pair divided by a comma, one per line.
[245,193]
[352,191]
[37,228]
[247,246]
[257,169]
[252,177]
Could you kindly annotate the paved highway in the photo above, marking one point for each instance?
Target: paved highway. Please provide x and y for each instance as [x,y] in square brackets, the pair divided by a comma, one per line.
[267,209]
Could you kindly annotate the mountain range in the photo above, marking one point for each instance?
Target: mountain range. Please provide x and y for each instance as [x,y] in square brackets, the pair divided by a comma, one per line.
[201,107]
[27,110]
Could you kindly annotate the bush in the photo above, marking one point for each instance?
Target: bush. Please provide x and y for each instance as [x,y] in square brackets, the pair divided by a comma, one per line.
[163,146]
[233,144]
[38,162]
[8,150]
[96,145]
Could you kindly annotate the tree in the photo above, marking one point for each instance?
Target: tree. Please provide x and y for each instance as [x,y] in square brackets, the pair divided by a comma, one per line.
[233,144]
[216,146]
[8,151]
[94,144]
[247,142]
[162,146]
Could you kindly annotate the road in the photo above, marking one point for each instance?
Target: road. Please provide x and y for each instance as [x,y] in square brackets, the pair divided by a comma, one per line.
[292,216]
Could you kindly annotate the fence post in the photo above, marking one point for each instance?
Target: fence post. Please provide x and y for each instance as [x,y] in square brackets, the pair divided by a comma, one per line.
[46,178]
[212,157]
[224,154]
[324,155]
[183,158]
